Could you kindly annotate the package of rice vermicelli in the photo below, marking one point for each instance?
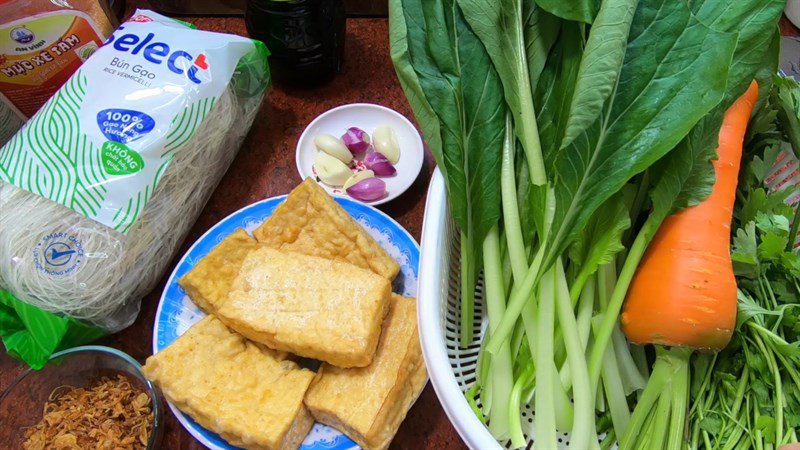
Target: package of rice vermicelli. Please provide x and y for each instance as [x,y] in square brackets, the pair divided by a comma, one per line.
[98,189]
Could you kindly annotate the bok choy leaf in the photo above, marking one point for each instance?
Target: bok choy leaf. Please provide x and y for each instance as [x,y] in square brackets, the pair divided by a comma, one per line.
[517,36]
[464,92]
[577,10]
[600,65]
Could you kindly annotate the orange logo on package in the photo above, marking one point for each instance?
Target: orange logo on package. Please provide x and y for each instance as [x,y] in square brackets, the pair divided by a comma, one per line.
[38,54]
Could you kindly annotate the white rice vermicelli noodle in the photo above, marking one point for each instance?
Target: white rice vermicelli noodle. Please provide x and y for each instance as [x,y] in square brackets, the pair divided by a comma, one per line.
[118,269]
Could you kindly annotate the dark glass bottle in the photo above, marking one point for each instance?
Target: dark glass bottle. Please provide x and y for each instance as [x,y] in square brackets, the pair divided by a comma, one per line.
[305,38]
[117,8]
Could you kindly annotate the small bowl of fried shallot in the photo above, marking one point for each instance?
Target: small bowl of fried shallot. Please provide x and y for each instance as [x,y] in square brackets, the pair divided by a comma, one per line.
[85,397]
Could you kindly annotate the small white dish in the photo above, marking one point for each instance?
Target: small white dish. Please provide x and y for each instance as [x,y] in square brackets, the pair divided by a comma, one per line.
[792,12]
[366,116]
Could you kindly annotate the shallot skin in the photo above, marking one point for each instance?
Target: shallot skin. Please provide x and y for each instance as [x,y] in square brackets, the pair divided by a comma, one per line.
[356,140]
[368,190]
[379,163]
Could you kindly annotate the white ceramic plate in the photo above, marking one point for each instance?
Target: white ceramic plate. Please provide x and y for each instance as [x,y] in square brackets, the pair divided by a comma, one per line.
[367,117]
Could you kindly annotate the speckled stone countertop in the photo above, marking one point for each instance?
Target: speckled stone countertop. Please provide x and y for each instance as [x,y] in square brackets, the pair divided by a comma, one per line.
[265,167]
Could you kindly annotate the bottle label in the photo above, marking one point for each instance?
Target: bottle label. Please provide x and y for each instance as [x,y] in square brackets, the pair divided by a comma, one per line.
[39,53]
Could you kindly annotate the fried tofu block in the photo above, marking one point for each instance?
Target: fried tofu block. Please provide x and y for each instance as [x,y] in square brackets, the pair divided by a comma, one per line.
[369,403]
[209,282]
[310,222]
[310,306]
[248,395]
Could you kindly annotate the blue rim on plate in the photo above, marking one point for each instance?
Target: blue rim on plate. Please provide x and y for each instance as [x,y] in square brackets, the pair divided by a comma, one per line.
[176,312]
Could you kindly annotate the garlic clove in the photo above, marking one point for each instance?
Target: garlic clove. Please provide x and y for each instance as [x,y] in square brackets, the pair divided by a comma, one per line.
[330,170]
[385,141]
[334,147]
[358,176]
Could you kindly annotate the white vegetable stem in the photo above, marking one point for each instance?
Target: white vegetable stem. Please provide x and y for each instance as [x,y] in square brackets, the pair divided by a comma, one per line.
[585,312]
[517,252]
[511,222]
[564,411]
[583,431]
[526,377]
[614,390]
[544,399]
[632,379]
[501,370]
[523,293]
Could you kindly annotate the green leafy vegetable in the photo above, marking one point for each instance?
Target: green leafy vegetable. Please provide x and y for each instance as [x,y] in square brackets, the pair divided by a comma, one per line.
[600,66]
[682,178]
[655,86]
[646,117]
[517,37]
[567,132]
[787,104]
[555,88]
[578,10]
[464,91]
[600,241]
[426,116]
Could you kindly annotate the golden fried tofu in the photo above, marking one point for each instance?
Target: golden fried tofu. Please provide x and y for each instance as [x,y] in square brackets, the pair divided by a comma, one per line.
[248,395]
[310,306]
[369,403]
[310,221]
[209,282]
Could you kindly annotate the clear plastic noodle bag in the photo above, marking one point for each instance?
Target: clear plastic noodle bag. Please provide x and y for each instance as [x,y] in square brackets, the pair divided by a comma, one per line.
[89,239]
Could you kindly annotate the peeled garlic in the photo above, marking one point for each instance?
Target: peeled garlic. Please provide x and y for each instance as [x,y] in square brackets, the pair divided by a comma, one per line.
[358,176]
[331,170]
[385,142]
[334,147]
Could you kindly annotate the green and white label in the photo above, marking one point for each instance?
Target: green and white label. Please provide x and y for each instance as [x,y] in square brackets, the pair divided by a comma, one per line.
[119,159]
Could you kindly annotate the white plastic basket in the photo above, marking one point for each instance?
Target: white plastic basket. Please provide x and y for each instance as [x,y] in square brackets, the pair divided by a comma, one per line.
[451,368]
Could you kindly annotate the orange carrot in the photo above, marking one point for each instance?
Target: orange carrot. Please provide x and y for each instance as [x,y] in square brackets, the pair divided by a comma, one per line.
[684,291]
